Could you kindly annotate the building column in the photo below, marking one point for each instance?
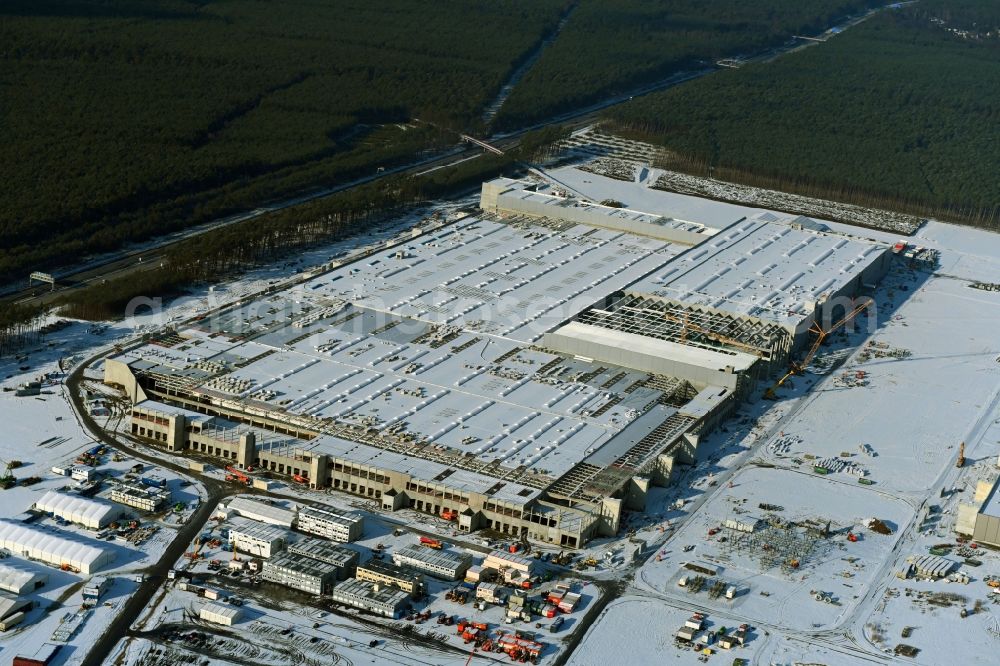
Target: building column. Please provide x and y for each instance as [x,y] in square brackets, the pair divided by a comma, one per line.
[317,471]
[246,453]
[176,431]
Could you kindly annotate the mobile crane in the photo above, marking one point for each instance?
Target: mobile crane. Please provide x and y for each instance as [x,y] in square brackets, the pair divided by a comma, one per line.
[233,474]
[799,368]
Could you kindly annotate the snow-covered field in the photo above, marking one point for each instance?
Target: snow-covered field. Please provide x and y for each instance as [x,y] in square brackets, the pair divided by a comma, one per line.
[891,402]
[774,594]
[625,159]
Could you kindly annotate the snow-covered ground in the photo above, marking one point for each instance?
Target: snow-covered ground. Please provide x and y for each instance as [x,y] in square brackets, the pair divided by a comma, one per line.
[42,432]
[891,402]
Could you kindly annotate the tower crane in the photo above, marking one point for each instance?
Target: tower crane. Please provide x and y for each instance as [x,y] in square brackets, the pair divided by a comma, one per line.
[799,368]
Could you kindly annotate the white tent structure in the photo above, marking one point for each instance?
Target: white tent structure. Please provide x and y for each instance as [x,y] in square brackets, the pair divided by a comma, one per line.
[53,547]
[19,579]
[219,614]
[87,512]
[259,511]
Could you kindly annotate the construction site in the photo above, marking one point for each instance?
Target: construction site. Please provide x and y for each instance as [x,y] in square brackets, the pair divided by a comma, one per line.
[533,369]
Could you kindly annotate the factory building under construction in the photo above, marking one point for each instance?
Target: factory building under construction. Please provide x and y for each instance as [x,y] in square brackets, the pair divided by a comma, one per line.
[531,369]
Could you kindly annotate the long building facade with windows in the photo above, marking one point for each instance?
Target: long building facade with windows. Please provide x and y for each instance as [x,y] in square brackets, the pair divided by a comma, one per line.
[331,523]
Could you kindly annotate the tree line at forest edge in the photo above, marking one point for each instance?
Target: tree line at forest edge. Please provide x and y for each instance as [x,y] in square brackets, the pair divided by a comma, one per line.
[896,113]
[126,119]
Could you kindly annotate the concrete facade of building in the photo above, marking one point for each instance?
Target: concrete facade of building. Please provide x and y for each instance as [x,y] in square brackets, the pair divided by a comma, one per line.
[376,571]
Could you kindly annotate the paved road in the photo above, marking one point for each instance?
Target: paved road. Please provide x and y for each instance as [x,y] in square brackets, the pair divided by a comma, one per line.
[156,573]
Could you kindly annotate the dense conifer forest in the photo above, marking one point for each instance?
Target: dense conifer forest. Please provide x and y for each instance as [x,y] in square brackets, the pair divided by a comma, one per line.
[128,118]
[902,111]
[613,46]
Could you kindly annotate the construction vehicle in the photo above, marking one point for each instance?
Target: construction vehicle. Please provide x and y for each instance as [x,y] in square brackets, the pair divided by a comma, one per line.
[800,368]
[298,478]
[431,543]
[7,480]
[233,474]
[961,456]
[448,514]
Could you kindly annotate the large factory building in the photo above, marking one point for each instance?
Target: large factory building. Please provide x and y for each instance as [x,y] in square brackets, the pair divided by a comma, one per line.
[533,369]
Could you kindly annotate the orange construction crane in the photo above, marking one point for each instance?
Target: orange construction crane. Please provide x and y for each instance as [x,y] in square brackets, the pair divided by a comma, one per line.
[799,368]
[234,474]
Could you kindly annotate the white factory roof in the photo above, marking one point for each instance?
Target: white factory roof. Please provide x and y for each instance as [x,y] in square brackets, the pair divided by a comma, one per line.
[259,531]
[441,558]
[705,358]
[51,546]
[764,269]
[76,508]
[361,345]
[494,278]
[640,195]
[302,564]
[14,577]
[222,610]
[10,604]
[545,195]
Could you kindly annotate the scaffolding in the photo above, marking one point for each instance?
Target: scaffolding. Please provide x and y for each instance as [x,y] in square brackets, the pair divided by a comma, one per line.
[665,319]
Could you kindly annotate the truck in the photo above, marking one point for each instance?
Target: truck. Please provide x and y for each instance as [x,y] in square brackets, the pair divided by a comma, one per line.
[431,543]
[233,474]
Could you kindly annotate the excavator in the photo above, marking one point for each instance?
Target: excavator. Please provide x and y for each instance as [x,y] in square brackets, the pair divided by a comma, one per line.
[799,368]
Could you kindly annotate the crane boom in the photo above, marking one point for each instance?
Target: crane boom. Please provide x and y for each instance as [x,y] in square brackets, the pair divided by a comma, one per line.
[799,368]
